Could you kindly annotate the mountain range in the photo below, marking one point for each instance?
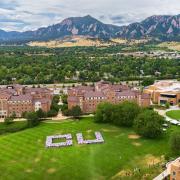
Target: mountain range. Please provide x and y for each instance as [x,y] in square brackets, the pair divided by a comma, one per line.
[162,27]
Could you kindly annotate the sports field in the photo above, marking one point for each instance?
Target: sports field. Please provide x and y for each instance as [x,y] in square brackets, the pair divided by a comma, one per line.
[124,155]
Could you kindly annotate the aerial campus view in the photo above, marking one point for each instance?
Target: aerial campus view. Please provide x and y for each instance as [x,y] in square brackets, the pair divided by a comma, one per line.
[90,90]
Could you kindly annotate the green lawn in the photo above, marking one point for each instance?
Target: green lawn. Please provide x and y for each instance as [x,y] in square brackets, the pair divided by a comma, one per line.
[175,114]
[13,127]
[23,155]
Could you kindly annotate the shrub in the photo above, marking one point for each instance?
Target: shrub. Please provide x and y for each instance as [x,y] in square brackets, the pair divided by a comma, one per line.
[32,119]
[175,143]
[52,113]
[41,114]
[125,113]
[149,124]
[75,112]
[104,113]
[167,105]
[8,120]
[148,81]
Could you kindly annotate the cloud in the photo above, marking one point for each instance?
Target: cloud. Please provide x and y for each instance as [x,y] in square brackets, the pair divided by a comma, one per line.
[24,15]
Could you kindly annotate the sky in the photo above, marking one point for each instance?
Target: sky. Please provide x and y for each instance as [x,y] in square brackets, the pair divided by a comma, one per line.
[23,15]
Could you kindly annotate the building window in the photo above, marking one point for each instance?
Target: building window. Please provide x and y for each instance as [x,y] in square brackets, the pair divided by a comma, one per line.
[174,173]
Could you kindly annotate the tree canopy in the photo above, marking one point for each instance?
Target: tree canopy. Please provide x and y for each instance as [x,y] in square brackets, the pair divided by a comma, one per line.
[149,124]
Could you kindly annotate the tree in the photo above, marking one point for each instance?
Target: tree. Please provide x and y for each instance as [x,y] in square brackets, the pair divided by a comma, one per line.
[148,81]
[32,119]
[64,98]
[125,113]
[13,115]
[149,124]
[75,112]
[52,113]
[41,114]
[167,105]
[175,143]
[104,113]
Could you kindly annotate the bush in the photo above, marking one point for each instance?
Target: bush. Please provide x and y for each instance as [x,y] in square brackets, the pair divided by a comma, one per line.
[32,119]
[122,114]
[41,114]
[52,113]
[125,113]
[75,112]
[104,113]
[167,105]
[149,124]
[8,120]
[148,81]
[64,98]
[175,143]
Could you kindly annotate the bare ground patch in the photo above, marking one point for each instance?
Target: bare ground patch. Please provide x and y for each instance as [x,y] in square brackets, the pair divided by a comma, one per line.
[136,144]
[37,160]
[134,136]
[151,160]
[51,170]
[28,170]
[122,173]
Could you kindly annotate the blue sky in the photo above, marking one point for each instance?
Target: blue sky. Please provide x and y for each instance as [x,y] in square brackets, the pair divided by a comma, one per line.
[22,15]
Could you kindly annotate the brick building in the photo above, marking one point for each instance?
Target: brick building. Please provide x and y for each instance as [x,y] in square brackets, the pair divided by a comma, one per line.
[18,99]
[88,97]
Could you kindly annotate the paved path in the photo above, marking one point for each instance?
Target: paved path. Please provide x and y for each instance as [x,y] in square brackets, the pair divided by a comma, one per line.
[163,113]
[60,117]
[162,175]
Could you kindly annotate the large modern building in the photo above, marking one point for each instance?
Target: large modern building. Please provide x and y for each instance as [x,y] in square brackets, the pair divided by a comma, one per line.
[88,97]
[17,99]
[164,91]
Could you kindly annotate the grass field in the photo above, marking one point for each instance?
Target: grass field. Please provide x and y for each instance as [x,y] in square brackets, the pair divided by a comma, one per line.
[175,114]
[23,155]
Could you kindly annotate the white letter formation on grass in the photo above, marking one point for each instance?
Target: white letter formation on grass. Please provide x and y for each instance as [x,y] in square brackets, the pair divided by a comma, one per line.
[50,139]
[99,139]
[69,142]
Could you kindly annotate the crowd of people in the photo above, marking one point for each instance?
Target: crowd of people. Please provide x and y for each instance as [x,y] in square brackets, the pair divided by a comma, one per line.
[80,139]
[50,139]
[99,139]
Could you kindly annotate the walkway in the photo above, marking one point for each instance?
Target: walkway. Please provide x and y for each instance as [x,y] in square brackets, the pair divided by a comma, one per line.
[162,175]
[168,119]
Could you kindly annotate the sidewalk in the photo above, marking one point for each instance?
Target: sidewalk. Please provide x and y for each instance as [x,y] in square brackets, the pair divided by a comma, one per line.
[168,119]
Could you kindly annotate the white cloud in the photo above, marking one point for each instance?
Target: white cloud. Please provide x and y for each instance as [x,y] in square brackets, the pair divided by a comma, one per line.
[33,14]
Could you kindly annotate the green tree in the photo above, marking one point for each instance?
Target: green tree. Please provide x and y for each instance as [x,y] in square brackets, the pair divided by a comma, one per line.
[148,81]
[125,113]
[64,98]
[41,114]
[75,112]
[149,124]
[104,113]
[175,143]
[32,119]
[52,113]
[167,105]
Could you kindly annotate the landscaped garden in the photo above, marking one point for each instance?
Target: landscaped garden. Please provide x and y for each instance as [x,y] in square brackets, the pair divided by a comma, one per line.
[174,114]
[123,155]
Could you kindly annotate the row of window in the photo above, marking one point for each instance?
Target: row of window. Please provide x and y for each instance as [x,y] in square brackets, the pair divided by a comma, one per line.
[126,97]
[93,98]
[22,102]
